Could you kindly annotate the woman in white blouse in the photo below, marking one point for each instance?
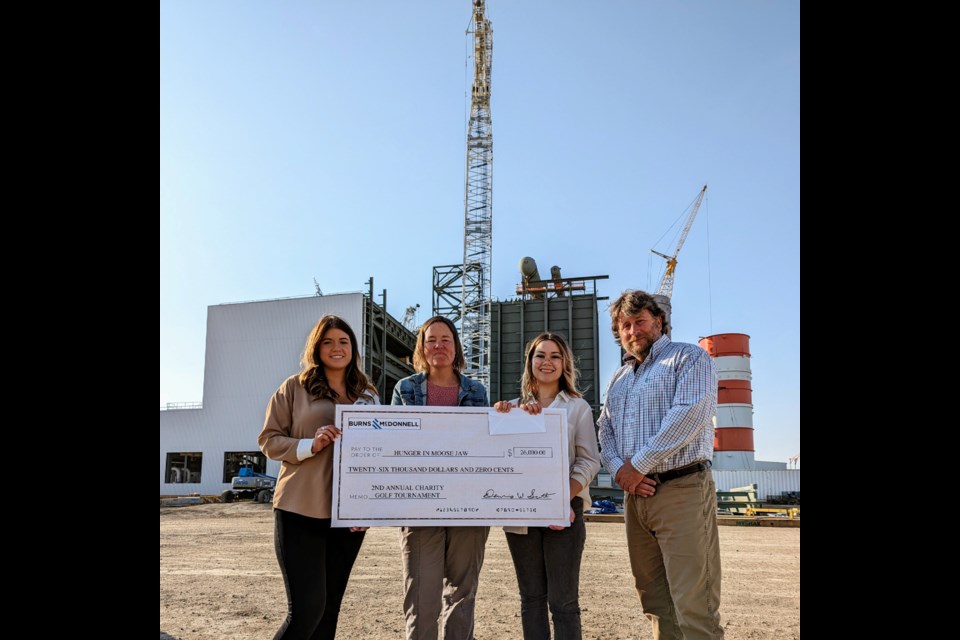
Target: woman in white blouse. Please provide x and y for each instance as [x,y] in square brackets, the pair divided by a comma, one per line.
[547,559]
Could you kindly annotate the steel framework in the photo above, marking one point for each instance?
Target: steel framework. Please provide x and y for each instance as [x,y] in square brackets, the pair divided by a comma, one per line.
[464,291]
[666,284]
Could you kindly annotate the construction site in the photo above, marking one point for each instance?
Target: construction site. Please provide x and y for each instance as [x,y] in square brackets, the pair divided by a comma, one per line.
[223,553]
[202,442]
[219,579]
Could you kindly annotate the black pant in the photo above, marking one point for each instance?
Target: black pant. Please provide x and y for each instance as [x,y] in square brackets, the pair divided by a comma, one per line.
[315,561]
[548,572]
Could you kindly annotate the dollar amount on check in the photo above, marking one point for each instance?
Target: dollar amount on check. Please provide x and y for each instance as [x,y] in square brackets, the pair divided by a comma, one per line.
[449,466]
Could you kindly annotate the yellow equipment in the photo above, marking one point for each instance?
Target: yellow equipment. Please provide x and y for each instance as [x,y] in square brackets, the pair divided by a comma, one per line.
[790,513]
[666,284]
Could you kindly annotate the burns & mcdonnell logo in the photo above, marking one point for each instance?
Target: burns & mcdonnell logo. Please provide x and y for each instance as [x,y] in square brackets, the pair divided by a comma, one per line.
[389,424]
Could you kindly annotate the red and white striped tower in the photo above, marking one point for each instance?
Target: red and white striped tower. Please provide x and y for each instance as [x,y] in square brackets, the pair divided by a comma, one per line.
[733,434]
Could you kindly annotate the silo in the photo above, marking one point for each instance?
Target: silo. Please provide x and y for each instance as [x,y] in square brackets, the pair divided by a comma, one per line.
[733,435]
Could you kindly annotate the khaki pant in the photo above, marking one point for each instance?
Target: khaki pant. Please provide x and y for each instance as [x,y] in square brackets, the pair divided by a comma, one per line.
[441,568]
[675,557]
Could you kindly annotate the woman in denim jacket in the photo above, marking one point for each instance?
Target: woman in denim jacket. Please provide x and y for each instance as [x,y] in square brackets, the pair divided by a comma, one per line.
[441,565]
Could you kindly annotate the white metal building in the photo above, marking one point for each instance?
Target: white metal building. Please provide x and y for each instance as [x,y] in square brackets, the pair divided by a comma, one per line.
[771,483]
[251,348]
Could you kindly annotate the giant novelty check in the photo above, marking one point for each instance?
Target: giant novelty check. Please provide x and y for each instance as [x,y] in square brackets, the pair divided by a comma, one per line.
[449,466]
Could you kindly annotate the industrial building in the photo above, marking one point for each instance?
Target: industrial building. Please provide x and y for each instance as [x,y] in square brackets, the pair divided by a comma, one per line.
[252,347]
[567,306]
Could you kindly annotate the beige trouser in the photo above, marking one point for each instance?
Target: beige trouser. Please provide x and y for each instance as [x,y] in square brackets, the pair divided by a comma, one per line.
[441,567]
[675,557]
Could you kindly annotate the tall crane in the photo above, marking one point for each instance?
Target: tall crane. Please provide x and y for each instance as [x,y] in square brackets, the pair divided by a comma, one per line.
[478,207]
[666,285]
[410,318]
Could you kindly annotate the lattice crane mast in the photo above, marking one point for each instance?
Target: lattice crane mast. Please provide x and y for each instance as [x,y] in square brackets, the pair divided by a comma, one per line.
[478,207]
[666,284]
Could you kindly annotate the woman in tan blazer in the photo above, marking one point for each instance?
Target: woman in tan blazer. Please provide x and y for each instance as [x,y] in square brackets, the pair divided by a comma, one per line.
[314,558]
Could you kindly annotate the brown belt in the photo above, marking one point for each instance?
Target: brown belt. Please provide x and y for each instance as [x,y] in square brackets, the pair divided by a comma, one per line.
[679,472]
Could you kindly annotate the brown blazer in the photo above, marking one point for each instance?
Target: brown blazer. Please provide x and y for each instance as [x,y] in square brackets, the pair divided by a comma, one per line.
[306,486]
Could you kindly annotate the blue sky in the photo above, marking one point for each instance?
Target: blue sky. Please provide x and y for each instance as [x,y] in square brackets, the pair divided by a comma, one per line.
[326,140]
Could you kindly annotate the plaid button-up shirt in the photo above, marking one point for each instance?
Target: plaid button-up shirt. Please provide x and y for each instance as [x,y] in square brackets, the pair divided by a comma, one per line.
[659,413]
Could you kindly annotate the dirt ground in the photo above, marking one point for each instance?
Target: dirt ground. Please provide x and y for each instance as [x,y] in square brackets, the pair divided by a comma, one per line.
[219,579]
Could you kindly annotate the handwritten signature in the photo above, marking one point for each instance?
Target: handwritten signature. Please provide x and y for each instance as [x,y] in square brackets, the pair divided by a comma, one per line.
[490,494]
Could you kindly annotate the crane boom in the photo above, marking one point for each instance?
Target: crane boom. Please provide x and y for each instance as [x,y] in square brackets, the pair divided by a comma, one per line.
[666,284]
[478,207]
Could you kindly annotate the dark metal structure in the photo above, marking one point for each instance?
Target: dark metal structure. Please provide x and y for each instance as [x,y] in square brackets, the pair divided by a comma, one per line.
[568,307]
[388,347]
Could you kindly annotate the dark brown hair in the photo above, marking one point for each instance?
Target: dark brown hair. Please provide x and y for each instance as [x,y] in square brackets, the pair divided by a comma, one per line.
[419,355]
[630,303]
[312,375]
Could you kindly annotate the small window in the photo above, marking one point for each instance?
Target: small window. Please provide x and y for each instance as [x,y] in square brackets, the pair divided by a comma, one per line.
[233,461]
[184,467]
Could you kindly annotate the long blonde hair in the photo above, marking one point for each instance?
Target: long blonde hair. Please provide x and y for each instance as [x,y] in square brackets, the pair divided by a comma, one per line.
[312,375]
[530,388]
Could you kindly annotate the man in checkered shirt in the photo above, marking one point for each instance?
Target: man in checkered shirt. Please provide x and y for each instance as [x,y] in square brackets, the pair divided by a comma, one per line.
[656,439]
